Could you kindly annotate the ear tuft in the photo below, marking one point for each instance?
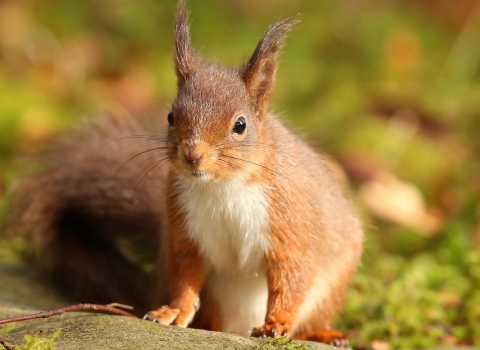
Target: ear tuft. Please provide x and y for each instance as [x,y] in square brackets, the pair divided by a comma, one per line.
[258,73]
[186,60]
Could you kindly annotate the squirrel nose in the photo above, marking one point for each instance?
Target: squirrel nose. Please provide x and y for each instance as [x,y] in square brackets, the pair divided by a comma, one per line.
[192,157]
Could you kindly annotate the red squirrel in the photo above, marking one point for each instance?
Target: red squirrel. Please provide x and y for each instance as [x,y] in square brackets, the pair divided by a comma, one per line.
[256,236]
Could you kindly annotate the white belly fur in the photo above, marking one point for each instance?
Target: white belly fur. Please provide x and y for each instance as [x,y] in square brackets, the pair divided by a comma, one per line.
[228,219]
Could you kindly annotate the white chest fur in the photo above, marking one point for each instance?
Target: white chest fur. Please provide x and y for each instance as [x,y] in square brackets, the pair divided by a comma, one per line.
[228,220]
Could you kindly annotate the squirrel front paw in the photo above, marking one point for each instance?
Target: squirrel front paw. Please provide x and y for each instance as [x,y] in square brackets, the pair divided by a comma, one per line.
[271,329]
[169,316]
[326,336]
[331,337]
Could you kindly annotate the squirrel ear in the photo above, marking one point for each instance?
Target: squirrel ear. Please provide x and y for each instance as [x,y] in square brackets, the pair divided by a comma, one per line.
[186,60]
[258,73]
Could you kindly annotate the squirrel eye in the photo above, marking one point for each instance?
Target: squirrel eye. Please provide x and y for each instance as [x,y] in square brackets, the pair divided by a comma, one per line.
[170,118]
[239,126]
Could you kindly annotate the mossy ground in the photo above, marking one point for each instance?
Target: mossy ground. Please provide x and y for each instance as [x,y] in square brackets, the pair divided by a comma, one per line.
[283,343]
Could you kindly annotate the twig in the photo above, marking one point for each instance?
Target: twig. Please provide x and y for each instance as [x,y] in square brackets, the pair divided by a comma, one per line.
[5,344]
[113,308]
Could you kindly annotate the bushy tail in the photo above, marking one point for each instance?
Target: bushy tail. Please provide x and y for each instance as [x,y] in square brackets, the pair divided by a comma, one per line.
[95,223]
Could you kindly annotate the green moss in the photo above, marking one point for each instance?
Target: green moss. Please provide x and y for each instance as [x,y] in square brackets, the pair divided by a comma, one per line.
[282,343]
[416,303]
[6,329]
[33,342]
[37,342]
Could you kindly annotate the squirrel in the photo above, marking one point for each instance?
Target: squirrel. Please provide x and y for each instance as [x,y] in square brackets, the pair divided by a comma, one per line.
[255,236]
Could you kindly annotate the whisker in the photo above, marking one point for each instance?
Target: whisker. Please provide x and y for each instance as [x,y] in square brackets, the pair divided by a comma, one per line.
[141,168]
[267,169]
[243,144]
[247,147]
[143,152]
[234,166]
[156,164]
[148,150]
[229,168]
[145,137]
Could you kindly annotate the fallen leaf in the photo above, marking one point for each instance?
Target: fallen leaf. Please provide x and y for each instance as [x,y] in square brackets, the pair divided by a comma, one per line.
[398,201]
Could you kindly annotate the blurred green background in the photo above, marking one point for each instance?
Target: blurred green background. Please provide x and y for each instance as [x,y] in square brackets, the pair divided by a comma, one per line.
[391,89]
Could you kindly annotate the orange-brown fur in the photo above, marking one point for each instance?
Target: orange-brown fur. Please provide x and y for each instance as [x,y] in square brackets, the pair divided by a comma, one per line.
[314,241]
[312,232]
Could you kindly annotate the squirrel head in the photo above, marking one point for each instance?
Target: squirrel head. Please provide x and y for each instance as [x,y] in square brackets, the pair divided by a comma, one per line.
[217,118]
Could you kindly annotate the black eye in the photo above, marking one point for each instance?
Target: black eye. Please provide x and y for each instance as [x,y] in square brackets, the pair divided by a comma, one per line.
[170,118]
[240,126]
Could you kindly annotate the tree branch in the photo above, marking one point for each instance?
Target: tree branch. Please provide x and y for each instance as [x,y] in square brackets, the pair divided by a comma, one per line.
[5,344]
[114,308]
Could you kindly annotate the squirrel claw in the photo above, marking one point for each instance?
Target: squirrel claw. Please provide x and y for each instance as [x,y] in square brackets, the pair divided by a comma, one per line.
[164,315]
[340,343]
[327,336]
[271,330]
[149,317]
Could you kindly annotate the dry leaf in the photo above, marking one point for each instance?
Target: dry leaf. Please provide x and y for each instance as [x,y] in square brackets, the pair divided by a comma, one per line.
[397,201]
[380,345]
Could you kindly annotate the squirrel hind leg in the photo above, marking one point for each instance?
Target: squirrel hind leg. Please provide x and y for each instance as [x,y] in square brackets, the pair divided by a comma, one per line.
[325,336]
[91,267]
